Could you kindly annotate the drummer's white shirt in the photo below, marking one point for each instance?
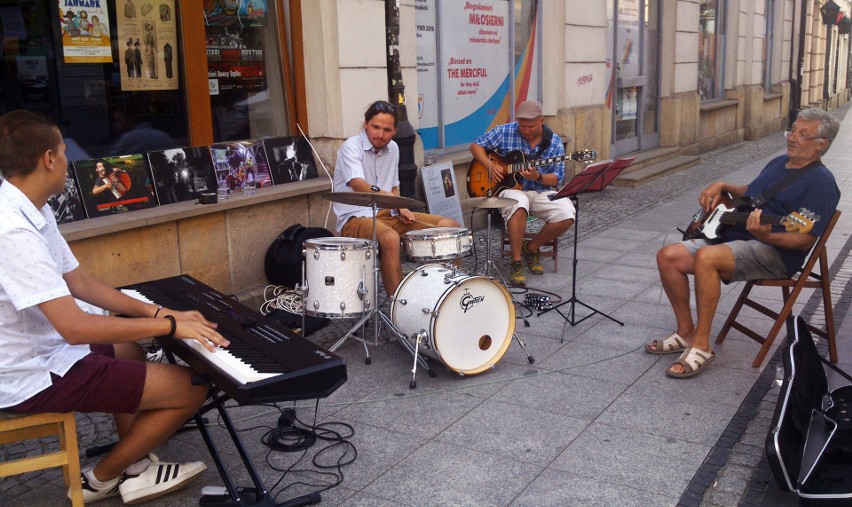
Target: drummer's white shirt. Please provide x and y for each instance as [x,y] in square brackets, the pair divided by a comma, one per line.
[356,159]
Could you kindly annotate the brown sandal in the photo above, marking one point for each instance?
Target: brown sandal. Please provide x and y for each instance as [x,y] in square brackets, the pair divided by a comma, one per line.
[693,361]
[672,344]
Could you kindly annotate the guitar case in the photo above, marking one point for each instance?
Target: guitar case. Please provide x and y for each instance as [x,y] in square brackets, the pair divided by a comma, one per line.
[809,445]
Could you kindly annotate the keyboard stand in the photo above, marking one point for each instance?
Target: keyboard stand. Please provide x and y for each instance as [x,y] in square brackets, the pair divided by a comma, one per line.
[256,496]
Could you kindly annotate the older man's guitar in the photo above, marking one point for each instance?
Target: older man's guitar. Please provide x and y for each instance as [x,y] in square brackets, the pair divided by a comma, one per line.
[479,182]
[709,224]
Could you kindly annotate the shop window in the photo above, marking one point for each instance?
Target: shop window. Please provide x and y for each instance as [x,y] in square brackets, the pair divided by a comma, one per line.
[245,70]
[475,61]
[711,49]
[103,73]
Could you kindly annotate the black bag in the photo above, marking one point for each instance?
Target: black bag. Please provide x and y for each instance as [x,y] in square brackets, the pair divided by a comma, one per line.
[283,263]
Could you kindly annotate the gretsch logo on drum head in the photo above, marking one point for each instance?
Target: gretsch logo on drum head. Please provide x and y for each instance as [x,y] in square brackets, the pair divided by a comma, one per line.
[468,300]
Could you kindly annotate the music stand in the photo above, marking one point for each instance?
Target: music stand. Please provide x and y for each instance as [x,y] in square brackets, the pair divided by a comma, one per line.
[594,178]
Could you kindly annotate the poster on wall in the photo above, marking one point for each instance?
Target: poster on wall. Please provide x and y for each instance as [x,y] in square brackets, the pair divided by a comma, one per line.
[228,12]
[235,59]
[474,83]
[147,45]
[85,31]
[235,35]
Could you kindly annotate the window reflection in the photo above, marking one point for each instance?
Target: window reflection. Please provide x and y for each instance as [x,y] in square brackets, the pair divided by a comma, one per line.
[244,71]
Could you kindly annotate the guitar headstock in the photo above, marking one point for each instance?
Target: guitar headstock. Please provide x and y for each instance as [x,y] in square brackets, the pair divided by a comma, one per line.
[800,221]
[585,156]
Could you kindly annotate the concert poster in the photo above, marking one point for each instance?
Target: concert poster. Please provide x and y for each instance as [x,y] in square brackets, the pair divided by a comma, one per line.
[113,185]
[235,32]
[67,206]
[290,159]
[181,174]
[147,45]
[236,162]
[85,32]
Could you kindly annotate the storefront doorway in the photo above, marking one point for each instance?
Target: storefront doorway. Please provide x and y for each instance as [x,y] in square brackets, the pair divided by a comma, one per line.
[633,95]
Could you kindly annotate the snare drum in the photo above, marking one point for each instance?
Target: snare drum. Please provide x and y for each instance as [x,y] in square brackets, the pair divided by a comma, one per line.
[469,320]
[437,243]
[339,273]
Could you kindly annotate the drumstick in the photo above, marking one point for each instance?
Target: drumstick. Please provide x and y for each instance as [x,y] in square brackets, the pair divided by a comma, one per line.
[423,223]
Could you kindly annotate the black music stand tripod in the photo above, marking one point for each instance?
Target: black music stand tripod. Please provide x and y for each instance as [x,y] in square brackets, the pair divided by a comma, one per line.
[593,178]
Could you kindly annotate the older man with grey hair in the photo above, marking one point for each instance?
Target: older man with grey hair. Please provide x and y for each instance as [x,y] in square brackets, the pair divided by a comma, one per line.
[752,250]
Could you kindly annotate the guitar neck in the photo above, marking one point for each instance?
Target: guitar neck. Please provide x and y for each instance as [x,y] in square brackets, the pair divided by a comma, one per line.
[528,164]
[741,217]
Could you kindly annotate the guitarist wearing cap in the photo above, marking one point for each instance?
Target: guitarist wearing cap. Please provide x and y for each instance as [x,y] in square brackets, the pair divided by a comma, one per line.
[530,136]
[754,249]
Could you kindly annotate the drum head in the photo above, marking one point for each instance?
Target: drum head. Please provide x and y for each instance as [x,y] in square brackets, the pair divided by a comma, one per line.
[474,326]
[336,243]
[437,232]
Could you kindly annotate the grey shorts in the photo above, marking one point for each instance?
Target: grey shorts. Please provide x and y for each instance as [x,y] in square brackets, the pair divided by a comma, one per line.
[752,259]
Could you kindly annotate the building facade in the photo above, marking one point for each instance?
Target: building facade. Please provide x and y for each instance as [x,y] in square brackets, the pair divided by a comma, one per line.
[616,76]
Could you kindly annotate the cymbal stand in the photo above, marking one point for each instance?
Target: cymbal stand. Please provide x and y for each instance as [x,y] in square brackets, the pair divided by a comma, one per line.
[375,313]
[489,265]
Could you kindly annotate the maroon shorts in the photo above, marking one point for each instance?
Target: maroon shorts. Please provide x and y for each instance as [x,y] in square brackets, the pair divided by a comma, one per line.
[97,383]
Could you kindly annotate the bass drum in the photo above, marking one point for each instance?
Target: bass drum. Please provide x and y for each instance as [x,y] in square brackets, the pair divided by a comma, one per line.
[469,320]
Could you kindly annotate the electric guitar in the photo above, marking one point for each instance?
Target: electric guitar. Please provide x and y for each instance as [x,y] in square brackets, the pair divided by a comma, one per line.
[480,183]
[709,224]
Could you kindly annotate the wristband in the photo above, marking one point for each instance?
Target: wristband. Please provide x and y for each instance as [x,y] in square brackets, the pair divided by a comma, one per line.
[374,188]
[538,180]
[173,322]
[159,307]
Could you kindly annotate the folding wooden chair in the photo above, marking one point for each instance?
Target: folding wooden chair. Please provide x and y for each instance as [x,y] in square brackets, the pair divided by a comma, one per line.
[21,427]
[790,288]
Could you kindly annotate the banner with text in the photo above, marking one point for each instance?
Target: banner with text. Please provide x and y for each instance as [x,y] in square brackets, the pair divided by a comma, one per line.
[473,70]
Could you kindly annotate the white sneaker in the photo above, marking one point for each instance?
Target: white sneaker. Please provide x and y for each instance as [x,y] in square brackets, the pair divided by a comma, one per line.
[92,494]
[158,479]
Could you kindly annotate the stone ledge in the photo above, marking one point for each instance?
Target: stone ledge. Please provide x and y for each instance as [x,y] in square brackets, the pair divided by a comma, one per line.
[101,226]
[718,104]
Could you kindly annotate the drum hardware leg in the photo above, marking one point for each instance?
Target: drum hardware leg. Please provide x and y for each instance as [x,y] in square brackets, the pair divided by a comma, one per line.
[303,292]
[403,340]
[530,358]
[421,336]
[351,334]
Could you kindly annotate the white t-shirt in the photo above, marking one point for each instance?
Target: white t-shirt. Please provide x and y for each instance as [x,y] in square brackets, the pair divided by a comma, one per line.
[356,159]
[33,259]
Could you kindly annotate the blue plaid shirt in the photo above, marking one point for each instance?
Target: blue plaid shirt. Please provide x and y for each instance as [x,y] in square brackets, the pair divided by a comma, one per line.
[505,138]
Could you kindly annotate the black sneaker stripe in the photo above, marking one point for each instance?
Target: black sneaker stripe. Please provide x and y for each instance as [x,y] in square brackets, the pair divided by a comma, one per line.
[175,474]
[159,474]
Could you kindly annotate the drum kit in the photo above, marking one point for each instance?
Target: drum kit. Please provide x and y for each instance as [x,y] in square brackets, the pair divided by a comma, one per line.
[466,322]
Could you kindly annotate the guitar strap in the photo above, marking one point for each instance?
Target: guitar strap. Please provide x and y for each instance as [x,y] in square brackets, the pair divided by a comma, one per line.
[761,199]
[546,138]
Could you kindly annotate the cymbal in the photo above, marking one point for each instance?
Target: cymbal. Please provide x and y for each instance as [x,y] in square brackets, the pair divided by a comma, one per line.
[489,202]
[368,198]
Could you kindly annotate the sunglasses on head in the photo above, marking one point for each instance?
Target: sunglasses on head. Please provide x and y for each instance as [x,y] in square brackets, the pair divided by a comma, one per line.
[385,107]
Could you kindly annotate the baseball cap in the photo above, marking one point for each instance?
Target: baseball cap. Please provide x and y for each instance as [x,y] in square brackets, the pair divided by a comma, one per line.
[528,110]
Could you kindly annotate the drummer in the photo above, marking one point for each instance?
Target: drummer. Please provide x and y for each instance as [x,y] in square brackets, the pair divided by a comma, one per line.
[369,162]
